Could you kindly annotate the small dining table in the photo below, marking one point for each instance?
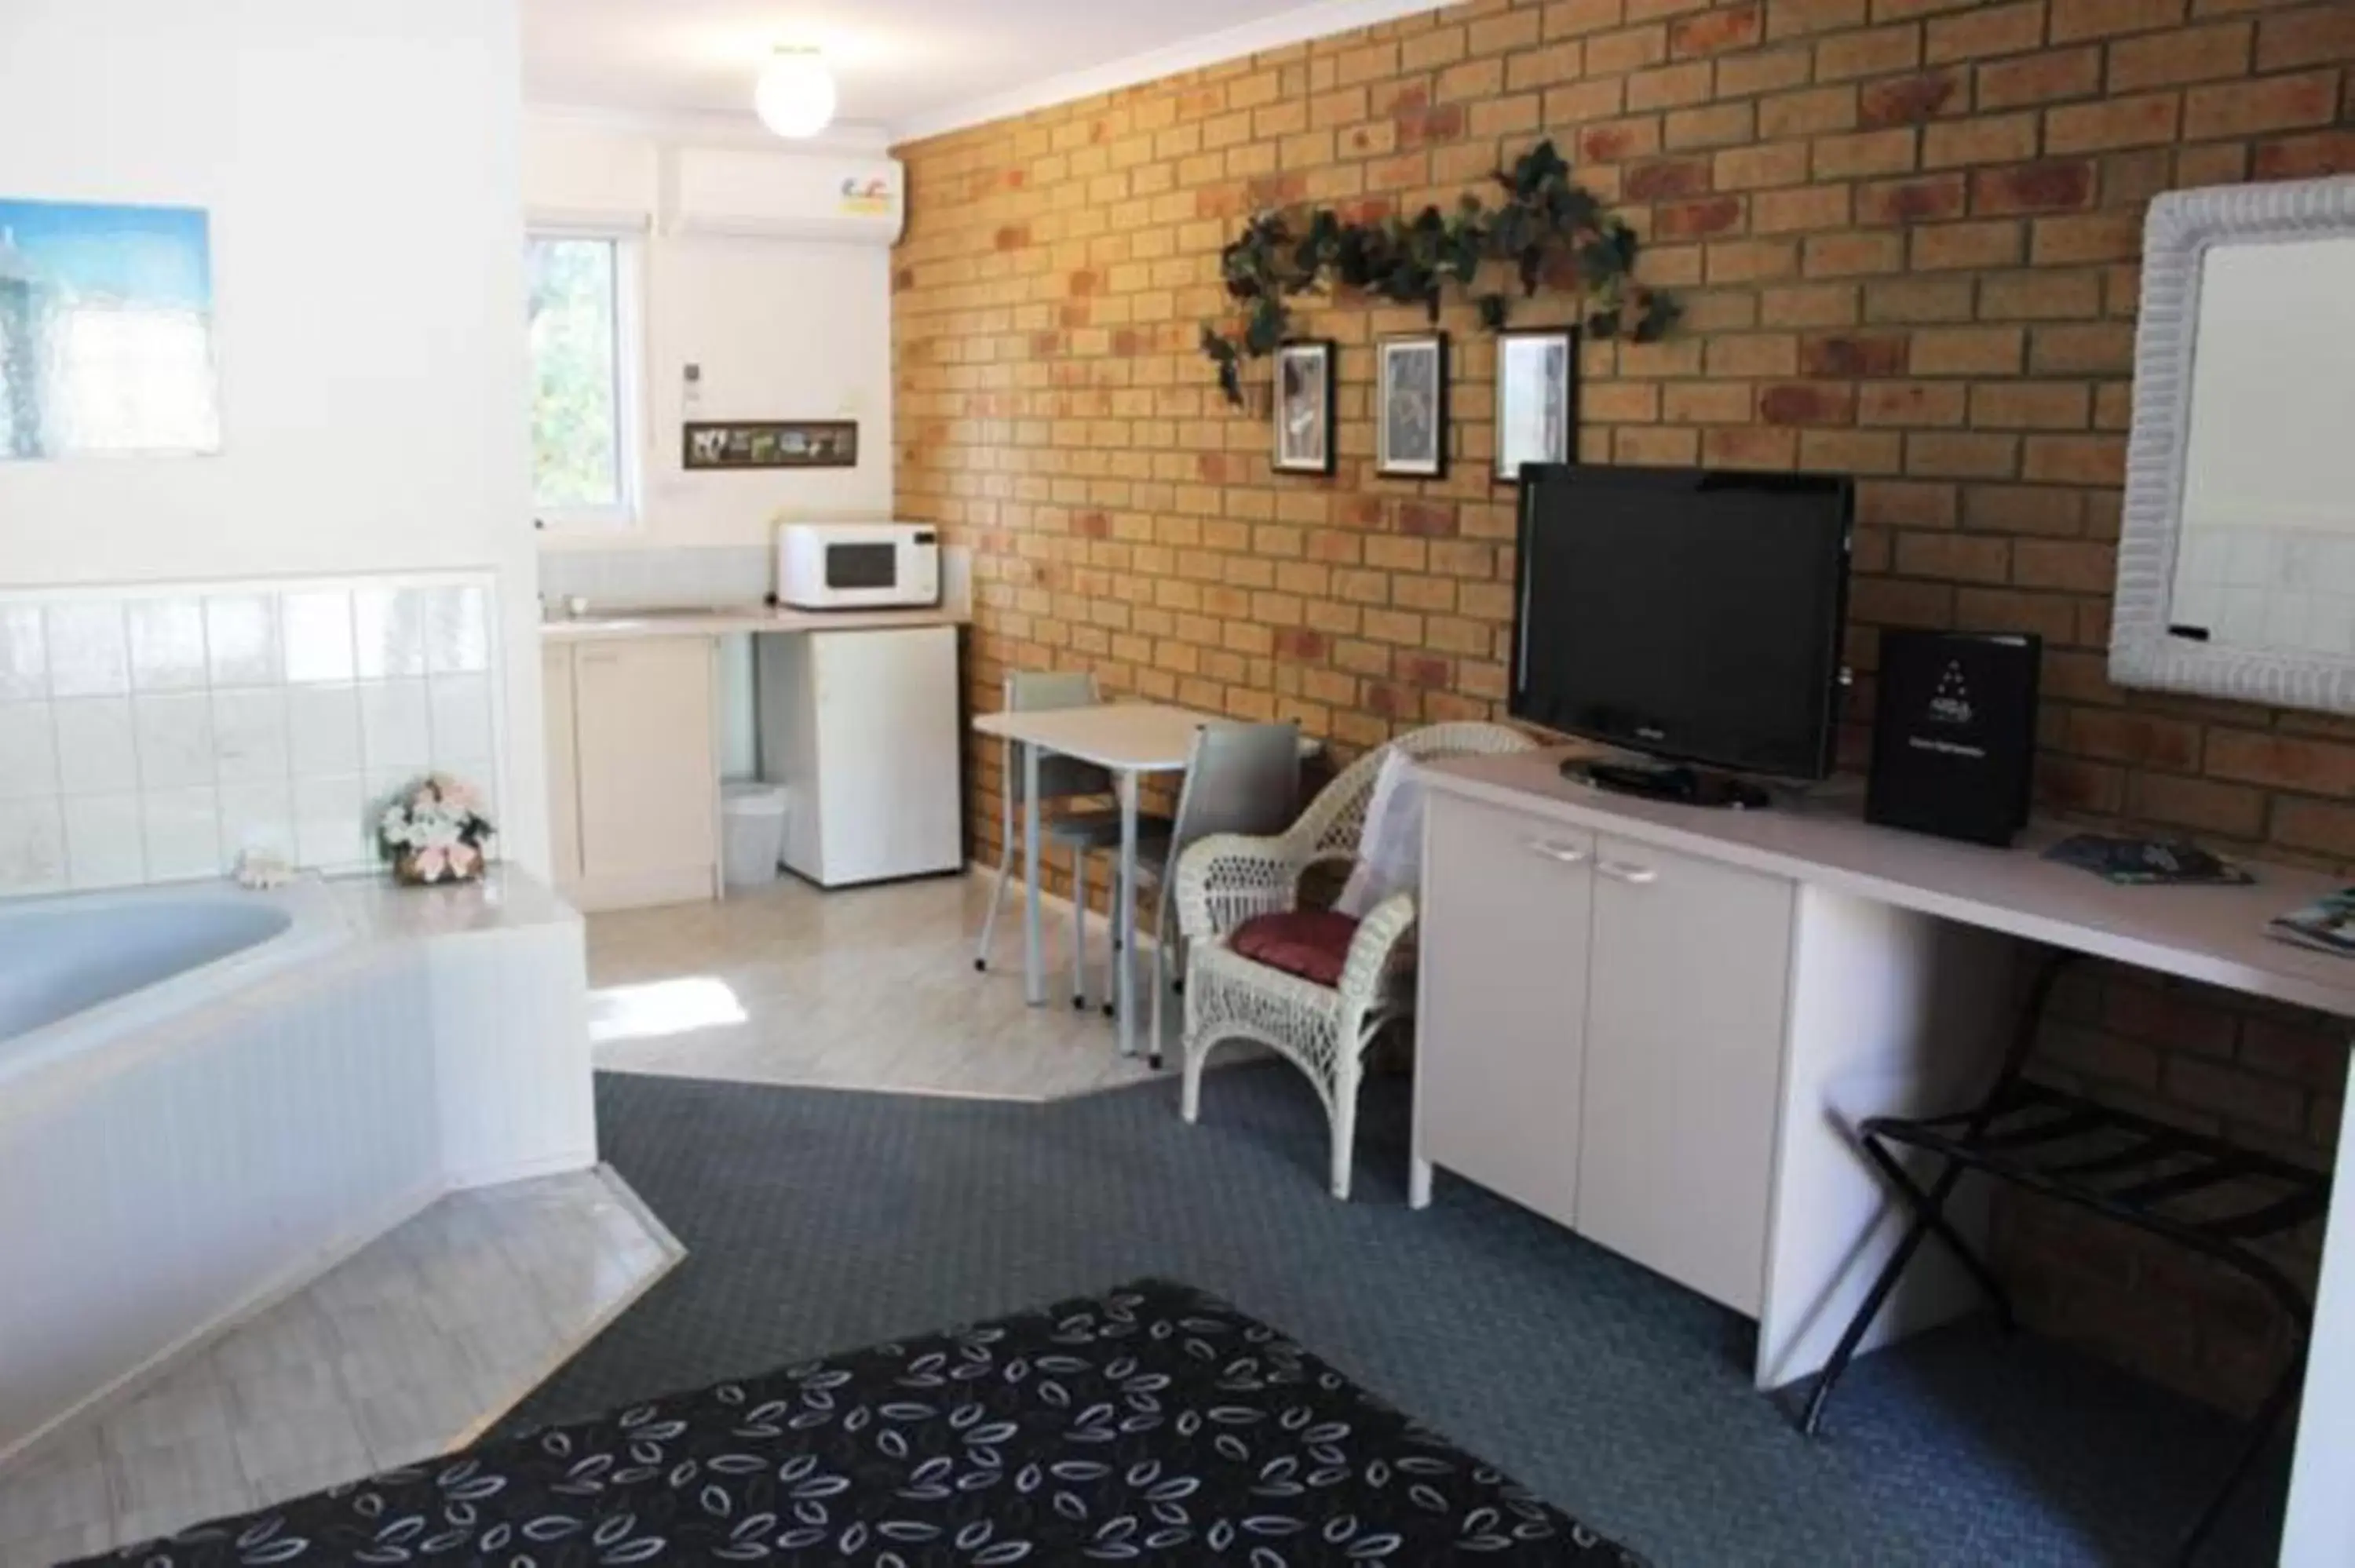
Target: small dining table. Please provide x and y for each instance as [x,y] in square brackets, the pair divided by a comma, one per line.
[1128,740]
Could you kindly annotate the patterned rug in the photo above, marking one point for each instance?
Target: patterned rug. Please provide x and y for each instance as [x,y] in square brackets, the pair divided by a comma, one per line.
[1153,1422]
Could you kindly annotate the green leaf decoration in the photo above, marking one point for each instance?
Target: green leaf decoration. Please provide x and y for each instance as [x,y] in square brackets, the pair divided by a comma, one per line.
[1531,266]
[1265,333]
[1546,230]
[1659,316]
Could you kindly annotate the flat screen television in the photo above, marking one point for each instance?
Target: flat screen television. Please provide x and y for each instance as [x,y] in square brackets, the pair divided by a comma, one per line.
[1692,615]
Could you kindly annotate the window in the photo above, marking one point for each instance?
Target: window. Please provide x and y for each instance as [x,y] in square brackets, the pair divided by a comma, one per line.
[584,358]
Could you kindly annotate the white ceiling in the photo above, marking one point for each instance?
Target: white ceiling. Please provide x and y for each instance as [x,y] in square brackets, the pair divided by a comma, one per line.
[910,68]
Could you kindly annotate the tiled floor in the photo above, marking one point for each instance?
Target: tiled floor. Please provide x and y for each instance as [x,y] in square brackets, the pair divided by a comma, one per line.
[418,1343]
[859,989]
[411,1348]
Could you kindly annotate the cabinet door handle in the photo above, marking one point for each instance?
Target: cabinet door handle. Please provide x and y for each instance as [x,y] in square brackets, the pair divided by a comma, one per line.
[1567,855]
[1632,875]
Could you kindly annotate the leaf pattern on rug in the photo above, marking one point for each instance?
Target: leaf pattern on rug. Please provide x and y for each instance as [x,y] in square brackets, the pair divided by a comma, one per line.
[1151,1424]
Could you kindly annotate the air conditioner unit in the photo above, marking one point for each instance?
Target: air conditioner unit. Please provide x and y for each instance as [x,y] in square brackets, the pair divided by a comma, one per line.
[843,198]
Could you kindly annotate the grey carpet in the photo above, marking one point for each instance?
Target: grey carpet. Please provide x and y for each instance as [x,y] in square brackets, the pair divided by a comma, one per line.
[817,1221]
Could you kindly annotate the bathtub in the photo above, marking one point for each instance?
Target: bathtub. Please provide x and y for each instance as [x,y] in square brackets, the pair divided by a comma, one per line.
[76,971]
[209,1095]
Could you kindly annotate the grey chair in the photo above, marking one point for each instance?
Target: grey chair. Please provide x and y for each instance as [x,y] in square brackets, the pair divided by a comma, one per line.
[1079,829]
[1240,779]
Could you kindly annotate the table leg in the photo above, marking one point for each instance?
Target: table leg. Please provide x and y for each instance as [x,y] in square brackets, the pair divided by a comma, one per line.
[1034,979]
[1125,783]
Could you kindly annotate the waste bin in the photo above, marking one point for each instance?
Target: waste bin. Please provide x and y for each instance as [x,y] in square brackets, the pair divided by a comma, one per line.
[753,833]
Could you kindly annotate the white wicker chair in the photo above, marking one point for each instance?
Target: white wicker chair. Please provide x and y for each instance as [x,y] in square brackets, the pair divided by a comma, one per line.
[1225,880]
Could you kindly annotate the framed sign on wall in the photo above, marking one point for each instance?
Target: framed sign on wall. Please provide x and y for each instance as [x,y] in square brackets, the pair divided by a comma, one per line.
[106,331]
[771,443]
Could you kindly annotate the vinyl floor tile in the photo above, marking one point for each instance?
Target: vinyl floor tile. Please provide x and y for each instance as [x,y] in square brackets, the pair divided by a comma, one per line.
[408,1349]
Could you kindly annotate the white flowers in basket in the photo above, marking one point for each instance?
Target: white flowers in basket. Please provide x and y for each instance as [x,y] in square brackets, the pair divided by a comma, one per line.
[435,831]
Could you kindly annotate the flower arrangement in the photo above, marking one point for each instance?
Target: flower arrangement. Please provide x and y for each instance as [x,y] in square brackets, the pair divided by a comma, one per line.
[435,831]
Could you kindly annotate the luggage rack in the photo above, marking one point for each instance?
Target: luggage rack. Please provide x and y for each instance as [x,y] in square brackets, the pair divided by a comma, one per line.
[2201,1193]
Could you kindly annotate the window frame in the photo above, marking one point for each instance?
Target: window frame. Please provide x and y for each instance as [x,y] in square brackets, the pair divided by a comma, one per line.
[630,415]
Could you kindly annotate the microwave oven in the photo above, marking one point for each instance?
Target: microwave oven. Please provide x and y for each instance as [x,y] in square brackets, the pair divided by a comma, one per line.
[858,566]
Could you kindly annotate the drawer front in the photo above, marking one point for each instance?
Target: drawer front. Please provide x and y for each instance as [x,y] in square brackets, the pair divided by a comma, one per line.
[1684,1062]
[1501,1026]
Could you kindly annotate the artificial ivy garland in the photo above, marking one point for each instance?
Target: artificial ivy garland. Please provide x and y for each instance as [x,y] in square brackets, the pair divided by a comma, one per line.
[1548,227]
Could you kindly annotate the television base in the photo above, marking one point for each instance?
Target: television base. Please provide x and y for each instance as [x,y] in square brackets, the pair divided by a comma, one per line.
[1665,781]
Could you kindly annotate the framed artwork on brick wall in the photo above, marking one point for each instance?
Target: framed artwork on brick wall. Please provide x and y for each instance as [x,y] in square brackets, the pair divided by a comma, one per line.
[1410,401]
[1304,406]
[1536,397]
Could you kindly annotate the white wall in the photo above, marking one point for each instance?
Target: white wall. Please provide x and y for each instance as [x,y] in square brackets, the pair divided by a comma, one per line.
[360,164]
[782,330]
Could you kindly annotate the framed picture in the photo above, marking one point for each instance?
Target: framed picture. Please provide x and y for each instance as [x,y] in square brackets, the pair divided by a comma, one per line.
[106,331]
[1410,438]
[773,443]
[1537,389]
[1304,406]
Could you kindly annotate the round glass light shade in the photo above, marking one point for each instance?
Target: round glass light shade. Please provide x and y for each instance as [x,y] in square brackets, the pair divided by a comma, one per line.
[796,96]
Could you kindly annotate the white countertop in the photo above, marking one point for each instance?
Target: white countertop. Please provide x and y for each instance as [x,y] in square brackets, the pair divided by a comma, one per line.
[508,898]
[724,621]
[2212,934]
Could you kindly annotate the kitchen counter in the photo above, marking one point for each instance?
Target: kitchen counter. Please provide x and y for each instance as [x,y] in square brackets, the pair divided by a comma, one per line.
[724,621]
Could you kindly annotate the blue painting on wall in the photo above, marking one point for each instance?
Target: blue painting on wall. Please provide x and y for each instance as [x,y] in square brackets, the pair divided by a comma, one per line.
[106,331]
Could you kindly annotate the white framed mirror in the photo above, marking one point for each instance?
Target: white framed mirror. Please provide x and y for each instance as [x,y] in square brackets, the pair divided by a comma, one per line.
[2236,557]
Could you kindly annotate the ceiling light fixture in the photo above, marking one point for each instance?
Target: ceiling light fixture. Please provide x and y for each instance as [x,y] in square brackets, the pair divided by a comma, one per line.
[796,94]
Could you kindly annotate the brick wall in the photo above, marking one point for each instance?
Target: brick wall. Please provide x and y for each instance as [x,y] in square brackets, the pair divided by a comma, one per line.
[1905,232]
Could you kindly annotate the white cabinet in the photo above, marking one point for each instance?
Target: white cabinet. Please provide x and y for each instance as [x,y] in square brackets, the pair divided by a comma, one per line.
[1601,1036]
[644,772]
[1685,1024]
[1506,908]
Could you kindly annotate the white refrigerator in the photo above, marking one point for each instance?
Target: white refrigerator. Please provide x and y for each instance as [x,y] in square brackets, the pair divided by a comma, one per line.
[861,729]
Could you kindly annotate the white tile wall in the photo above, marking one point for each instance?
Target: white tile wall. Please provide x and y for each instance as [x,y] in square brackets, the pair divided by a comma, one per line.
[24,653]
[157,735]
[97,748]
[168,644]
[88,657]
[648,580]
[241,637]
[33,842]
[28,751]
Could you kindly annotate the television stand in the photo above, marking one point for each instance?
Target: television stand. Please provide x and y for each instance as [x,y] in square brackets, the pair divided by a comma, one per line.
[1670,781]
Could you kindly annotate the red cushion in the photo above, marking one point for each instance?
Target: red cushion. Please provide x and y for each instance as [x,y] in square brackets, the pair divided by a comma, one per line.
[1311,943]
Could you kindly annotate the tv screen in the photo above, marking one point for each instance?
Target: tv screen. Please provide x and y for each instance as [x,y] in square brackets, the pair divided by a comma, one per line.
[1692,615]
